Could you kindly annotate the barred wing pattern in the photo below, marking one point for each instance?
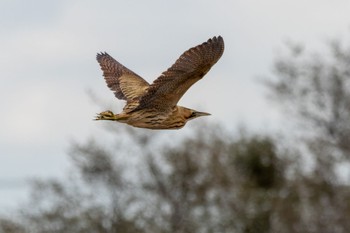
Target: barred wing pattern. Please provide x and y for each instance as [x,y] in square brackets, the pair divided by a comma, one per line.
[167,90]
[125,84]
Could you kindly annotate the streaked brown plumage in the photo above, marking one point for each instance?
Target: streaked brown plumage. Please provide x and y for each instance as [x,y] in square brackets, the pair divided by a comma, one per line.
[154,106]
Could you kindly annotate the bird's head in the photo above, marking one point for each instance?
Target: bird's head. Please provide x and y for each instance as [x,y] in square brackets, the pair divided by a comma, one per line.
[191,114]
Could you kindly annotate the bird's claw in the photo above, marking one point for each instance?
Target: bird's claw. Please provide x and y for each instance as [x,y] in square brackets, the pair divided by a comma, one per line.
[107,115]
[98,117]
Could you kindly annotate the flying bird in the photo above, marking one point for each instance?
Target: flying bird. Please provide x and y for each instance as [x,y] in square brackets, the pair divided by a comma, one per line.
[154,106]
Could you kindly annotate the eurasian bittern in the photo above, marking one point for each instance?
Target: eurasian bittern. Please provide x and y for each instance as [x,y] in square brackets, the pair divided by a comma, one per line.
[154,106]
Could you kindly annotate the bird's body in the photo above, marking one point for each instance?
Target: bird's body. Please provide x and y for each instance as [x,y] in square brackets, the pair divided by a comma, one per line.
[176,118]
[154,106]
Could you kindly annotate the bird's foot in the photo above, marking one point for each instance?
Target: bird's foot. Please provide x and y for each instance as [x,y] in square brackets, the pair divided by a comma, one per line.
[106,115]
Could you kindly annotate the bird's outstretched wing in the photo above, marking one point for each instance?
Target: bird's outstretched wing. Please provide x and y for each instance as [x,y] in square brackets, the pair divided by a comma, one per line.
[167,90]
[123,82]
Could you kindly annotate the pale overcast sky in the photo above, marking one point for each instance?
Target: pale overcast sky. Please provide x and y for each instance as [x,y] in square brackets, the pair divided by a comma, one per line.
[47,64]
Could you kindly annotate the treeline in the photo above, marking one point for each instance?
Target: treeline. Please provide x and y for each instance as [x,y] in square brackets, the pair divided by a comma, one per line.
[212,180]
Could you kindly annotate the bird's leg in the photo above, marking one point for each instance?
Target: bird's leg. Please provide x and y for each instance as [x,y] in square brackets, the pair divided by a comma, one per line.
[106,115]
[110,116]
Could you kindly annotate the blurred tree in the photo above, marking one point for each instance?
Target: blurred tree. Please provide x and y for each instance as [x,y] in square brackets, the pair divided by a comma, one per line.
[208,182]
[211,180]
[9,226]
[315,90]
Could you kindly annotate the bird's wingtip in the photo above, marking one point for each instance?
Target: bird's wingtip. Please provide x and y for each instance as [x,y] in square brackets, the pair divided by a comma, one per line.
[219,37]
[216,39]
[101,54]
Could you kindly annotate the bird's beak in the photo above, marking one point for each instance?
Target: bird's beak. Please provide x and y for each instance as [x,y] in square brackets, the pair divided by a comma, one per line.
[199,114]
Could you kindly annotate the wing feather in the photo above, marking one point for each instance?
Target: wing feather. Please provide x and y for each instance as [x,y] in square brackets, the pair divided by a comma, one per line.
[125,84]
[191,66]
